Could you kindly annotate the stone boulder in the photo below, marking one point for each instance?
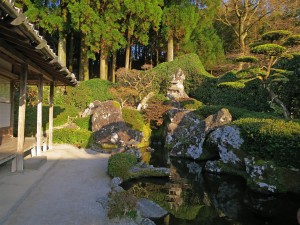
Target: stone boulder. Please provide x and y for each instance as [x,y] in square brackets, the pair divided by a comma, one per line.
[108,125]
[186,133]
[228,141]
[150,209]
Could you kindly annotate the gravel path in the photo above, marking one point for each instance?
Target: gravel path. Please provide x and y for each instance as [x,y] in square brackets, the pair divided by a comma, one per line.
[62,192]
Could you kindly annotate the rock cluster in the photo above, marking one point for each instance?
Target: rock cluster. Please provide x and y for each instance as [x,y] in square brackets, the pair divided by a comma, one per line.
[108,125]
[186,133]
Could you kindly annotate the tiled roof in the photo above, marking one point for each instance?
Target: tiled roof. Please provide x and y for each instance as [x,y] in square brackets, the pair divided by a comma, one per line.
[19,36]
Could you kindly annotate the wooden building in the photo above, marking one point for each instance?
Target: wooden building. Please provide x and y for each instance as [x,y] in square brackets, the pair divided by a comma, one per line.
[25,58]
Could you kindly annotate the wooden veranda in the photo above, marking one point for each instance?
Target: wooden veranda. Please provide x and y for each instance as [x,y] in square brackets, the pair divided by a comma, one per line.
[25,58]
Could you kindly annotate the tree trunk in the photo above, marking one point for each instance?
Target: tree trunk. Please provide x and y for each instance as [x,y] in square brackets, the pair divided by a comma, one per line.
[275,98]
[62,49]
[113,67]
[103,62]
[71,52]
[84,62]
[127,56]
[170,53]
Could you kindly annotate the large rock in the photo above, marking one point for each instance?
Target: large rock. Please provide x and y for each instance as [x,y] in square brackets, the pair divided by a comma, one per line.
[186,133]
[228,141]
[108,125]
[150,209]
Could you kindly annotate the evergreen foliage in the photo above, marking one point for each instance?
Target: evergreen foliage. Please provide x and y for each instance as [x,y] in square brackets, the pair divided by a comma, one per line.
[120,164]
[81,96]
[78,137]
[271,139]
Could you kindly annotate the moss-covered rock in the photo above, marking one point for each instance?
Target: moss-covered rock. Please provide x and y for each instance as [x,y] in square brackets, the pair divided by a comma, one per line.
[187,133]
[228,141]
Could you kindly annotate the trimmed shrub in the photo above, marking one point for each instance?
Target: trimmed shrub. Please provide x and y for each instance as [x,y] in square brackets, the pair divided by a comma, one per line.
[236,113]
[77,137]
[120,164]
[190,104]
[252,97]
[83,123]
[271,139]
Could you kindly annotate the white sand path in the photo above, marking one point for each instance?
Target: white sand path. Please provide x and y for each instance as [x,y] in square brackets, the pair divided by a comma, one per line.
[61,192]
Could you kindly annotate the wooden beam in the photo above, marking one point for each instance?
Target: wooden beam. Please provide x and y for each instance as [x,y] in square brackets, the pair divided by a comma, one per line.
[39,117]
[51,109]
[13,53]
[8,74]
[19,162]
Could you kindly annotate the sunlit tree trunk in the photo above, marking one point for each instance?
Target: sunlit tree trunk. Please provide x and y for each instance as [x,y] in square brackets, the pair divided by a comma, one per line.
[128,53]
[103,66]
[113,68]
[170,53]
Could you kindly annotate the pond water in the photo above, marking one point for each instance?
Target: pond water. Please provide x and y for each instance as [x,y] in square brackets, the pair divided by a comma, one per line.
[192,196]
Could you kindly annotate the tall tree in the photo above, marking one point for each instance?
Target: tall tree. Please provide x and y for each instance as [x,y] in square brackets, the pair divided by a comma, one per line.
[51,16]
[85,20]
[204,39]
[241,16]
[140,16]
[179,20]
[110,35]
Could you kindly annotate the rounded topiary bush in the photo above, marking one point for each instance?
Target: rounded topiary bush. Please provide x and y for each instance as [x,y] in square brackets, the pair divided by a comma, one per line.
[120,164]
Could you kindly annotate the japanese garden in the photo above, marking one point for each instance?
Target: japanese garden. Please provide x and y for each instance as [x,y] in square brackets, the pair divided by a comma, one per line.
[195,103]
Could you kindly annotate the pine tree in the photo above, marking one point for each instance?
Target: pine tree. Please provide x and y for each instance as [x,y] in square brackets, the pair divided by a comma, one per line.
[179,20]
[140,16]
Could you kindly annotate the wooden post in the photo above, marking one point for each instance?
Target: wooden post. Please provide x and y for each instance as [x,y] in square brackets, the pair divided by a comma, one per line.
[39,117]
[50,144]
[18,163]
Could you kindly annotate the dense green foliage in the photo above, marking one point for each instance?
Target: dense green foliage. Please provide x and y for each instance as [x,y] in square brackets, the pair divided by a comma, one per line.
[120,163]
[271,139]
[289,91]
[192,68]
[83,123]
[82,95]
[237,113]
[269,49]
[78,137]
[191,104]
[251,96]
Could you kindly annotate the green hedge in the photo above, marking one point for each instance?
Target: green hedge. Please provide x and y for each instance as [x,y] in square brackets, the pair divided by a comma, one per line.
[252,97]
[83,123]
[206,110]
[119,165]
[78,137]
[272,139]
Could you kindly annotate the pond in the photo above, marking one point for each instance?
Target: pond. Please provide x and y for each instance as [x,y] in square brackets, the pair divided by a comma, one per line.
[192,196]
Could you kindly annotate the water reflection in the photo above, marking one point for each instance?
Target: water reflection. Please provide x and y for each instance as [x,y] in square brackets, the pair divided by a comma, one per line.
[192,196]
